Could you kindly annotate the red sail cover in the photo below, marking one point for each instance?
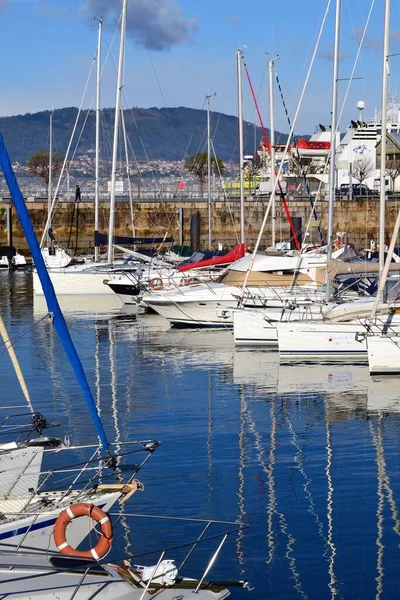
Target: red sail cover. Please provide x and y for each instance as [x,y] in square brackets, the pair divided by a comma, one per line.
[227,259]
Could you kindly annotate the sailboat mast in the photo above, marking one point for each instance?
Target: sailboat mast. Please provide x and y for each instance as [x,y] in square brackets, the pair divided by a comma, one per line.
[50,183]
[239,57]
[382,193]
[115,141]
[334,124]
[271,68]
[209,173]
[96,176]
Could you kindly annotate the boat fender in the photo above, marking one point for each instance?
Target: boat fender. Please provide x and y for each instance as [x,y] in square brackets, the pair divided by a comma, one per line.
[83,509]
[185,281]
[156,284]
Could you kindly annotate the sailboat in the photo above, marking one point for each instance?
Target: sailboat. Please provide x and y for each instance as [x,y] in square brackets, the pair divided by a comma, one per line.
[87,277]
[343,334]
[29,516]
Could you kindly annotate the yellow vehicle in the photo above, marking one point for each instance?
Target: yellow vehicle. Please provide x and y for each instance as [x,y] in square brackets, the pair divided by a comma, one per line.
[250,185]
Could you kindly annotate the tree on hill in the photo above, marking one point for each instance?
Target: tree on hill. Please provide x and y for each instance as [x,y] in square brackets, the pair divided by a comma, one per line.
[198,164]
[38,164]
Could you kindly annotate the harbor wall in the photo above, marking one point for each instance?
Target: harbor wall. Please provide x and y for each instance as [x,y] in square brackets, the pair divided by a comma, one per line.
[73,224]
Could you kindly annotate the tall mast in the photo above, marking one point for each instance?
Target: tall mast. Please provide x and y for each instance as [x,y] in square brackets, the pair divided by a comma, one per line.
[209,172]
[96,183]
[115,141]
[239,57]
[49,186]
[332,178]
[271,65]
[382,194]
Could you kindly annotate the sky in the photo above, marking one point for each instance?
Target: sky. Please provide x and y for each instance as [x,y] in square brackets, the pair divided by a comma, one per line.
[178,51]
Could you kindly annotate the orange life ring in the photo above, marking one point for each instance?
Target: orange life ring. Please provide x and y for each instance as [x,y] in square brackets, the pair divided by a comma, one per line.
[83,509]
[156,284]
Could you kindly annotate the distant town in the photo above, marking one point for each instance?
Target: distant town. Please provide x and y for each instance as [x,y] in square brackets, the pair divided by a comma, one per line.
[154,175]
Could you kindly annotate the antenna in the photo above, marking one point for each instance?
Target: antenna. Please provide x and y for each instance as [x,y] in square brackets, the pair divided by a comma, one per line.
[361,106]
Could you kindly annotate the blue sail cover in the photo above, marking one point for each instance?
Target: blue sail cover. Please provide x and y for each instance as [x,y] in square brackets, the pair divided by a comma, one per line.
[48,289]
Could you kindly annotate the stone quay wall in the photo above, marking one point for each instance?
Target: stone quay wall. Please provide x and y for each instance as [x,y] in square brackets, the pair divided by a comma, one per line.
[73,224]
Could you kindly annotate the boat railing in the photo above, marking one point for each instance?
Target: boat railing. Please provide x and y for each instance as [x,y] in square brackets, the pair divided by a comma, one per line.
[24,478]
[297,295]
[20,426]
[215,540]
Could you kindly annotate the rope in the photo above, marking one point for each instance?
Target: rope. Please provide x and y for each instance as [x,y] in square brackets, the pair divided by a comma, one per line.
[15,363]
[303,173]
[268,148]
[252,259]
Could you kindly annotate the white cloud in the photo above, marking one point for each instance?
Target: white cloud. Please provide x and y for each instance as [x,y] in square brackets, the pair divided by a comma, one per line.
[154,24]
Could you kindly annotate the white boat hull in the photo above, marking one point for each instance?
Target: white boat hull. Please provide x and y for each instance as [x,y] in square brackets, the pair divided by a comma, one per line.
[253,328]
[384,355]
[195,305]
[34,528]
[330,341]
[322,341]
[257,327]
[197,313]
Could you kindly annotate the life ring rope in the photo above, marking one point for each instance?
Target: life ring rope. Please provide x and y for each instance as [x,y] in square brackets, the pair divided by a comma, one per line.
[83,509]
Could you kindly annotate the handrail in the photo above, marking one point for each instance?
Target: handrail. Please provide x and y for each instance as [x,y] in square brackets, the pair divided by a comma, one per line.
[210,564]
[153,574]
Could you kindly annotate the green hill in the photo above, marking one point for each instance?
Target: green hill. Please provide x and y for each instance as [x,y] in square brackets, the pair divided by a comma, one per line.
[154,133]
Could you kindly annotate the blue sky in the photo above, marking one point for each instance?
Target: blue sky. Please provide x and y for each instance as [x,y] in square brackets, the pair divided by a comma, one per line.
[180,50]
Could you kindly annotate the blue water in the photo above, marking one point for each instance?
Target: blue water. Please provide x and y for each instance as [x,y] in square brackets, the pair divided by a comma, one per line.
[306,457]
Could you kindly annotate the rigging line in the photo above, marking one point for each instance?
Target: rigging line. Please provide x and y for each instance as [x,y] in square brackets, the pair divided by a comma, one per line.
[157,79]
[12,341]
[15,363]
[180,170]
[303,173]
[54,201]
[128,174]
[258,242]
[267,146]
[356,61]
[125,100]
[135,159]
[224,194]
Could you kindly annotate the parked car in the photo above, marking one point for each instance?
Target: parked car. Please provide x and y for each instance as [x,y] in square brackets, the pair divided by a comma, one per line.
[359,189]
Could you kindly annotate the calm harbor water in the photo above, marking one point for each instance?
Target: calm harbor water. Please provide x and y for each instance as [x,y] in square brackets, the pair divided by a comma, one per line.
[306,456]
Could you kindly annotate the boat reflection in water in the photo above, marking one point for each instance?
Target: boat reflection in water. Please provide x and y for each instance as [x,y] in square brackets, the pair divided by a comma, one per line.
[307,456]
[81,305]
[384,394]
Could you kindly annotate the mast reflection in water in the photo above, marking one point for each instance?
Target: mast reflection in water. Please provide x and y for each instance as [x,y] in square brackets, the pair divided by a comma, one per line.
[308,457]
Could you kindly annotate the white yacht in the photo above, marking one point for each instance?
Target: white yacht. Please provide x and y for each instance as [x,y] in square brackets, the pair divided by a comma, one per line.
[257,326]
[272,279]
[384,354]
[341,336]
